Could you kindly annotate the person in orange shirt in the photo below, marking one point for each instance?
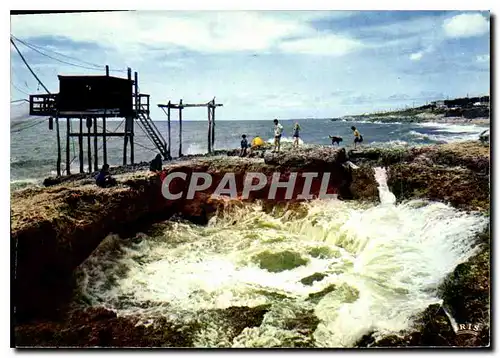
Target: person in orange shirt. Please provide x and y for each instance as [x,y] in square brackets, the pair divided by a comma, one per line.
[358,138]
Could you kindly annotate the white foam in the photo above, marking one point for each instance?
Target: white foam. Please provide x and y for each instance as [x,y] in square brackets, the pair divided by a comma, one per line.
[285,140]
[418,134]
[195,148]
[386,262]
[386,197]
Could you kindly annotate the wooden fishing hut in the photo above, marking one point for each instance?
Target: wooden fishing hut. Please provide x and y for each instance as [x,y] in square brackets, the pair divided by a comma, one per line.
[89,98]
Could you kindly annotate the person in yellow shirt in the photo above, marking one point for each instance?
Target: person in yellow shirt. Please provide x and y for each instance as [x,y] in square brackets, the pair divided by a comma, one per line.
[257,142]
[358,138]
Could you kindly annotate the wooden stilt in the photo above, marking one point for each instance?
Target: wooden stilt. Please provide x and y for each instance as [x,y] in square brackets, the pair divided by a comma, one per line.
[68,164]
[132,144]
[213,124]
[80,145]
[211,105]
[96,150]
[209,128]
[130,122]
[137,108]
[180,128]
[168,124]
[104,145]
[58,148]
[125,142]
[89,148]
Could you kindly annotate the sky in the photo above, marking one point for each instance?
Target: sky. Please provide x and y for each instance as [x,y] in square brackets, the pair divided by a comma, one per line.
[267,64]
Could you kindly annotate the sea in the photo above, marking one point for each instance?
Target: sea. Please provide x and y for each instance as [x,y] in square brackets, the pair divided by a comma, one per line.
[34,147]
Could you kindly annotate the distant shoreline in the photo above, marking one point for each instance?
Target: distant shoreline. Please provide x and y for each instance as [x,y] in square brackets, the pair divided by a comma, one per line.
[465,113]
[418,118]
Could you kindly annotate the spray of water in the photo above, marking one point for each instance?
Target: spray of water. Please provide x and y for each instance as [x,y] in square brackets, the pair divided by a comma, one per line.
[352,267]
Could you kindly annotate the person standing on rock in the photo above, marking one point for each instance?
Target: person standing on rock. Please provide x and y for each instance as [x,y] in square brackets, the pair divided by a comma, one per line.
[278,130]
[244,145]
[296,130]
[358,138]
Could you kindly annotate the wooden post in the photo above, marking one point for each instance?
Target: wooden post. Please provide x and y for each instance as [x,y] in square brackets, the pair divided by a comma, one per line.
[107,70]
[131,135]
[209,127]
[213,124]
[89,149]
[58,147]
[80,144]
[125,142]
[180,128]
[168,124]
[104,146]
[68,172]
[136,85]
[125,137]
[96,150]
[136,93]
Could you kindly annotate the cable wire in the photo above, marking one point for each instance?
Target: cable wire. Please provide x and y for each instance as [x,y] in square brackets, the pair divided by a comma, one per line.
[26,63]
[106,140]
[56,59]
[150,149]
[95,67]
[17,88]
[29,126]
[60,54]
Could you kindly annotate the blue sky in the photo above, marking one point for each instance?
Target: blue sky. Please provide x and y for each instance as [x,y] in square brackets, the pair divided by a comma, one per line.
[269,64]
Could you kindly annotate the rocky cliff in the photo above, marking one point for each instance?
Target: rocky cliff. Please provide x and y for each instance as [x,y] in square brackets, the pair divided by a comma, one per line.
[54,229]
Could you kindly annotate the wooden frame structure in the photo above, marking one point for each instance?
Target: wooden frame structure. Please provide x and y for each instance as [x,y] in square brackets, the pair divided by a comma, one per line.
[180,106]
[91,97]
[136,109]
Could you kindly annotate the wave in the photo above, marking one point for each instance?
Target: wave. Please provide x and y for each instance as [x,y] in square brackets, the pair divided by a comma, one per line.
[29,163]
[374,122]
[454,128]
[195,148]
[418,135]
[24,183]
[448,133]
[285,140]
[441,138]
[391,143]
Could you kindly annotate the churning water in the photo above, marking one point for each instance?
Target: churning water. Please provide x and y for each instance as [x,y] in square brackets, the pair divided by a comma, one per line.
[353,267]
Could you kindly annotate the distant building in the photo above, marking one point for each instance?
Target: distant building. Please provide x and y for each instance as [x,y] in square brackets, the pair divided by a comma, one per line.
[481,104]
[439,104]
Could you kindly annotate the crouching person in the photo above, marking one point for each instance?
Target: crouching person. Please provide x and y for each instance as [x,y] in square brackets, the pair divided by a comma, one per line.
[104,179]
[156,164]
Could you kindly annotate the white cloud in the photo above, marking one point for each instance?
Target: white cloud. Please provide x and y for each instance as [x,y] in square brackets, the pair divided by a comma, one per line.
[483,58]
[322,45]
[466,25]
[209,32]
[416,56]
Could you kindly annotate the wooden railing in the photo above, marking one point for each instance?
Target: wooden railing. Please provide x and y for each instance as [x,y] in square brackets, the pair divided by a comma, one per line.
[43,104]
